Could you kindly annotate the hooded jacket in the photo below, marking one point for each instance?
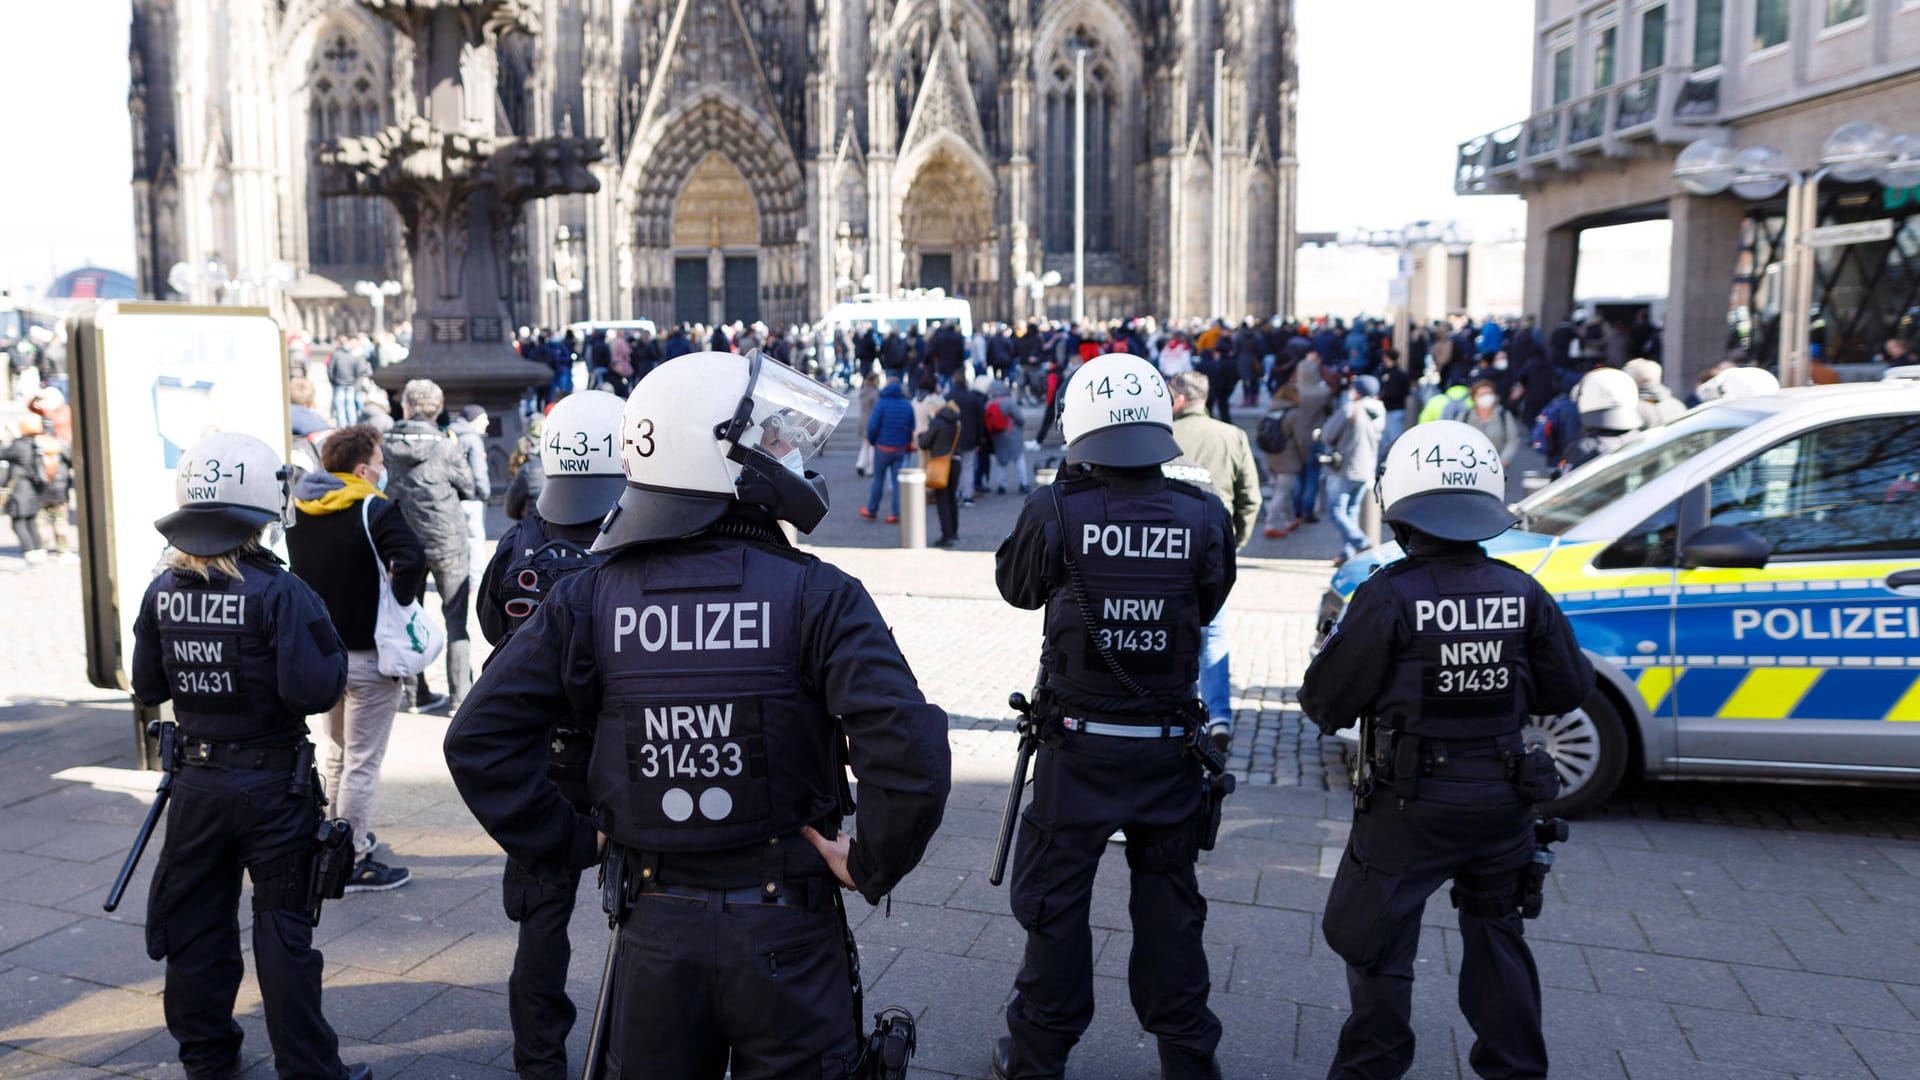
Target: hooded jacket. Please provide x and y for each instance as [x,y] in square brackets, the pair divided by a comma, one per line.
[891,423]
[428,479]
[327,548]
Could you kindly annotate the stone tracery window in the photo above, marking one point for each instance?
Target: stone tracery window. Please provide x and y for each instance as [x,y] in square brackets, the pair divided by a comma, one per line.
[345,97]
[1102,158]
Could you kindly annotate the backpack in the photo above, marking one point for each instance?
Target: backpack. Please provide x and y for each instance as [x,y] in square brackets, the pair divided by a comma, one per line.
[531,577]
[1271,436]
[996,420]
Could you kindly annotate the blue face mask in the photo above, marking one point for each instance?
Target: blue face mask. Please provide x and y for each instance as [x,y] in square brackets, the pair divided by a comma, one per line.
[382,482]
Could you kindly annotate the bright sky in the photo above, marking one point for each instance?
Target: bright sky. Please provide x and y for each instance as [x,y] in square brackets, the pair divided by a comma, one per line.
[1389,88]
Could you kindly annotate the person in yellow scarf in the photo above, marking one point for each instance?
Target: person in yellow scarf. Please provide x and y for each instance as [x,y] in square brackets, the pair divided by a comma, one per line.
[333,547]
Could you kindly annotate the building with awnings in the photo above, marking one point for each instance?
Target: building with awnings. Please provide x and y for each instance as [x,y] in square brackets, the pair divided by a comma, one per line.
[1792,97]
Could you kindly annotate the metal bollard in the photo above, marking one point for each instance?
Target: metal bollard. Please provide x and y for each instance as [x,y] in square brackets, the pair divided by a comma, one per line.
[1370,517]
[913,508]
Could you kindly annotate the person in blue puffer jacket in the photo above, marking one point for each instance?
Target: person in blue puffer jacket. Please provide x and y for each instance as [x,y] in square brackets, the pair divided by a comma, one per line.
[890,430]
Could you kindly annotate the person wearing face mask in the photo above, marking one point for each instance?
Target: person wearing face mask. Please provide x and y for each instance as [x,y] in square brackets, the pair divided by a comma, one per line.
[1499,426]
[343,523]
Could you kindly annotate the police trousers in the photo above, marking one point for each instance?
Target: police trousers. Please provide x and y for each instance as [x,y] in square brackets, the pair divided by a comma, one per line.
[538,1005]
[218,822]
[702,985]
[1479,833]
[1084,788]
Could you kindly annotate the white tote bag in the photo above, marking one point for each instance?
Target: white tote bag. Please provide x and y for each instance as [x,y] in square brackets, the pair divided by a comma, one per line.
[405,635]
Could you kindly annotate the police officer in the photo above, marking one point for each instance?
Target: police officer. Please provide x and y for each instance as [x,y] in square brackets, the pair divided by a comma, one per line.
[1445,654]
[720,668]
[579,453]
[1609,404]
[1130,566]
[245,652]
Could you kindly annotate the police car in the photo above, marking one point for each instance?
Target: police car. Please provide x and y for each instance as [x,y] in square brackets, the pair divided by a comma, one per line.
[1746,581]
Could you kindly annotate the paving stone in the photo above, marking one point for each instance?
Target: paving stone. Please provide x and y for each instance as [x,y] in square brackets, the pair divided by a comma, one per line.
[1677,979]
[97,950]
[1642,1065]
[1294,890]
[917,926]
[21,923]
[392,945]
[1768,1042]
[1736,905]
[72,1019]
[1887,1053]
[435,1067]
[360,1004]
[1711,940]
[1830,998]
[1841,954]
[1591,1027]
[461,1023]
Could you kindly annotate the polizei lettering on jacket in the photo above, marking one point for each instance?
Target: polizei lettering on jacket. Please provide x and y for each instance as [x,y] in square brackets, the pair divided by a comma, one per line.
[1881,622]
[696,627]
[1136,541]
[201,608]
[1471,613]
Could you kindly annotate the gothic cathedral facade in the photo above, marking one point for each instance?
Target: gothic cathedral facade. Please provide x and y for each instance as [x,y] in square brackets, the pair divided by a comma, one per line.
[764,158]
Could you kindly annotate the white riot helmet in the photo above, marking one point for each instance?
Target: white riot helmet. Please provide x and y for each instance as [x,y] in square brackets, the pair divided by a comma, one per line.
[1739,382]
[1608,400]
[580,453]
[706,429]
[228,487]
[1445,479]
[1116,411]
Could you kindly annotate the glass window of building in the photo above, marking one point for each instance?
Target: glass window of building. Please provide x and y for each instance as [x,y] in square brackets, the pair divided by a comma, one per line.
[344,98]
[1605,49]
[1845,11]
[1770,19]
[1061,164]
[1707,18]
[1653,38]
[1560,47]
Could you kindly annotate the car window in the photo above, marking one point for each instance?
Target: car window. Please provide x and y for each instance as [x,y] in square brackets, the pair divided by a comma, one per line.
[1648,544]
[1847,489]
[1562,506]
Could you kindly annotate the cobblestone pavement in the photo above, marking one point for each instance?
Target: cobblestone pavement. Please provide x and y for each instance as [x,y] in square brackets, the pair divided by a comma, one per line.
[1692,930]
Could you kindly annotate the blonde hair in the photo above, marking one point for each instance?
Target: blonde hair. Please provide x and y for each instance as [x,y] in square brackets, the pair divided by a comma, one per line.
[202,566]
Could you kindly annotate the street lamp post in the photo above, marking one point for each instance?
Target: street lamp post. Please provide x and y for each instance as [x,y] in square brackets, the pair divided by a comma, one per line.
[1854,153]
[1079,183]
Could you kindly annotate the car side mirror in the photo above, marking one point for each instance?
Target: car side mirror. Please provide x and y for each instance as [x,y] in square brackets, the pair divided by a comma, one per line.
[1726,546]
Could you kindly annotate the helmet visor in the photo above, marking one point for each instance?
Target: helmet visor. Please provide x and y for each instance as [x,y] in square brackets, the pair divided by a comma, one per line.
[791,415]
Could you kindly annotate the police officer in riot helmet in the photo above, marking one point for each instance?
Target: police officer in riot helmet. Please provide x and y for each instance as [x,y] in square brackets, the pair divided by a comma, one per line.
[246,653]
[1610,417]
[1129,566]
[580,454]
[727,677]
[1443,656]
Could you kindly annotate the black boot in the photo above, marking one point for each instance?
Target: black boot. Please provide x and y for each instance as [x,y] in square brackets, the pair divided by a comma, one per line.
[1002,1057]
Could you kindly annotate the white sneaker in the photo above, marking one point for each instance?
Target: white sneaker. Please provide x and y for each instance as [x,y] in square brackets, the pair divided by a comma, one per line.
[35,558]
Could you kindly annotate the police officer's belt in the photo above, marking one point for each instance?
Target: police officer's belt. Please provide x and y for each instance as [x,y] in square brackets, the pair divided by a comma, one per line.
[266,757]
[1144,729]
[1467,768]
[812,894]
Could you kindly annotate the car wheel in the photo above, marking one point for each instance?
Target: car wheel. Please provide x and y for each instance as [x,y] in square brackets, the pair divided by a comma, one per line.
[1589,747]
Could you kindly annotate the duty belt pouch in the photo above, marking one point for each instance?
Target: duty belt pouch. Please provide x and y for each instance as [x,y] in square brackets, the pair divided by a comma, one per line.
[1535,776]
[568,752]
[332,865]
[1407,750]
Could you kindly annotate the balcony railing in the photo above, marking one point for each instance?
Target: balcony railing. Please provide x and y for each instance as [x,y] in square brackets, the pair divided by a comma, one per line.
[1653,105]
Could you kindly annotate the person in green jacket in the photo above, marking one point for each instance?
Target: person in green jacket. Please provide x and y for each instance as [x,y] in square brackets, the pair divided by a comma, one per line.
[1222,452]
